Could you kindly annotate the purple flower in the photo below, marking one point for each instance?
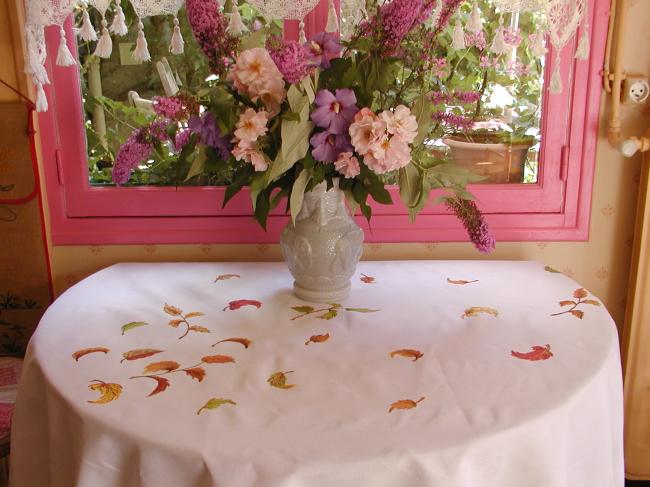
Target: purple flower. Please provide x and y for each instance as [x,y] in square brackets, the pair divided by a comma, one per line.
[136,149]
[292,59]
[181,140]
[327,146]
[206,127]
[335,112]
[323,47]
[473,221]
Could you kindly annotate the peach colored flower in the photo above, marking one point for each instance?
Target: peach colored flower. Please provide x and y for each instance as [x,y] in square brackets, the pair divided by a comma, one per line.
[251,125]
[366,130]
[256,76]
[347,165]
[391,154]
[248,152]
[400,122]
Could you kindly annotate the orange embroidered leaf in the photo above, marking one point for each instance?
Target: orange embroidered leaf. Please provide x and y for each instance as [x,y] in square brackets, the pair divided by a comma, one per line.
[217,359]
[318,338]
[225,277]
[332,313]
[460,282]
[367,279]
[109,391]
[214,403]
[172,310]
[235,305]
[200,329]
[405,404]
[132,325]
[85,351]
[550,269]
[568,303]
[193,314]
[164,366]
[580,293]
[477,310]
[139,353]
[175,323]
[592,302]
[242,341]
[161,384]
[197,373]
[537,353]
[279,380]
[408,353]
[577,313]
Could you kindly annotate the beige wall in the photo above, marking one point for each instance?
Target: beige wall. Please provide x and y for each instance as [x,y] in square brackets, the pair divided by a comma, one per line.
[601,264]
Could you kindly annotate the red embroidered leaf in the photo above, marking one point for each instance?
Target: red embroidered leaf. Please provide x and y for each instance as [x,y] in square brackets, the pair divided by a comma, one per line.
[537,353]
[164,366]
[318,338]
[234,305]
[405,404]
[568,303]
[408,353]
[161,384]
[217,359]
[139,353]
[85,351]
[242,341]
[577,313]
[197,373]
[367,279]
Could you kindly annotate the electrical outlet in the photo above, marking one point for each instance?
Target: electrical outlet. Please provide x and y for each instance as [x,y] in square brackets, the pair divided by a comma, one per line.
[635,89]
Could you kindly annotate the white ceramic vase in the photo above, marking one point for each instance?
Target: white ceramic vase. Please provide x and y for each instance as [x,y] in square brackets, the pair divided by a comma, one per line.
[324,246]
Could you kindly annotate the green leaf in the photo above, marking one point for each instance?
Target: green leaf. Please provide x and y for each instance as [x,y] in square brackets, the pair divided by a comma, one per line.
[297,100]
[295,145]
[298,193]
[410,185]
[254,39]
[303,309]
[362,310]
[257,185]
[332,313]
[307,84]
[239,180]
[422,111]
[214,403]
[198,164]
[132,325]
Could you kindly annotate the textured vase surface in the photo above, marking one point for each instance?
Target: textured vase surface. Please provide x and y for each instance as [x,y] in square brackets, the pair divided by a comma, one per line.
[324,246]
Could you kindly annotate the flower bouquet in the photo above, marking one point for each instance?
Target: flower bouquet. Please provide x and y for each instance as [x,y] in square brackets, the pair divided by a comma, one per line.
[350,116]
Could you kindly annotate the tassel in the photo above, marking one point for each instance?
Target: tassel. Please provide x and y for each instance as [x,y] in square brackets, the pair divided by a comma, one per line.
[87,31]
[537,48]
[41,99]
[582,52]
[118,27]
[177,45]
[301,36]
[332,25]
[64,56]
[475,24]
[105,45]
[236,26]
[499,45]
[458,37]
[141,52]
[556,78]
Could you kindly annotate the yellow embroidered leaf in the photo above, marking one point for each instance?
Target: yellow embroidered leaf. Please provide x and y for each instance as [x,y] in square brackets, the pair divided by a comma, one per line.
[85,351]
[303,309]
[460,282]
[318,338]
[132,325]
[568,303]
[580,293]
[332,313]
[408,353]
[335,305]
[225,277]
[477,310]
[197,373]
[279,380]
[164,366]
[214,403]
[217,359]
[200,329]
[405,404]
[109,391]
[172,310]
[175,323]
[592,302]
[139,353]
[243,341]
[577,313]
[193,314]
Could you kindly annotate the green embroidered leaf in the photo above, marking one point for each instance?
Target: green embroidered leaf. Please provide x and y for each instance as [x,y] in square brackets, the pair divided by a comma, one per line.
[132,325]
[214,403]
[298,193]
[362,310]
[550,269]
[332,313]
[303,309]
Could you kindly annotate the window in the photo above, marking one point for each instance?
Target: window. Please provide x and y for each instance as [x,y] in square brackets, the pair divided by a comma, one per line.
[548,200]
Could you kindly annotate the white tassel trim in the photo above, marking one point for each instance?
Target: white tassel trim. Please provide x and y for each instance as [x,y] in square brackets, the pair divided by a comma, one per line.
[141,52]
[105,45]
[41,99]
[556,79]
[301,36]
[177,45]
[332,25]
[537,48]
[118,26]
[458,37]
[236,26]
[582,52]
[475,24]
[87,31]
[64,56]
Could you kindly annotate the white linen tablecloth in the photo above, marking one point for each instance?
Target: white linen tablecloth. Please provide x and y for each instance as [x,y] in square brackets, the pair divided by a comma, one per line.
[445,374]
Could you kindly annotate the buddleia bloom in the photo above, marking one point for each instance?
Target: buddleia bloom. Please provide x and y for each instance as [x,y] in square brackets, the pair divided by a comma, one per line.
[474,222]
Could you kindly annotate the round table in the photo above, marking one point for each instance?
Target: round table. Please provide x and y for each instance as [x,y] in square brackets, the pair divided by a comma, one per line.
[446,374]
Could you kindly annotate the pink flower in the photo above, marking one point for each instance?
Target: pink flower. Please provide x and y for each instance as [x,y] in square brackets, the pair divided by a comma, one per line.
[347,165]
[256,76]
[400,123]
[366,130]
[292,59]
[251,125]
[248,152]
[389,155]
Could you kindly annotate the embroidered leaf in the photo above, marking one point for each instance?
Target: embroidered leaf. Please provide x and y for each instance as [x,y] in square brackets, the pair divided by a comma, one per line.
[85,351]
[139,353]
[405,404]
[537,353]
[132,325]
[243,341]
[408,353]
[367,279]
[592,302]
[335,305]
[568,303]
[580,293]
[193,314]
[362,310]
[550,269]
[214,403]
[200,329]
[279,380]
[197,373]
[234,305]
[225,277]
[303,309]
[460,282]
[162,383]
[318,338]
[175,323]
[172,310]
[164,366]
[217,359]
[477,310]
[577,313]
[332,313]
[109,391]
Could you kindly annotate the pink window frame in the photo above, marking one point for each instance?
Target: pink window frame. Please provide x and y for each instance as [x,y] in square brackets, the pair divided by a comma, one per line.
[556,208]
